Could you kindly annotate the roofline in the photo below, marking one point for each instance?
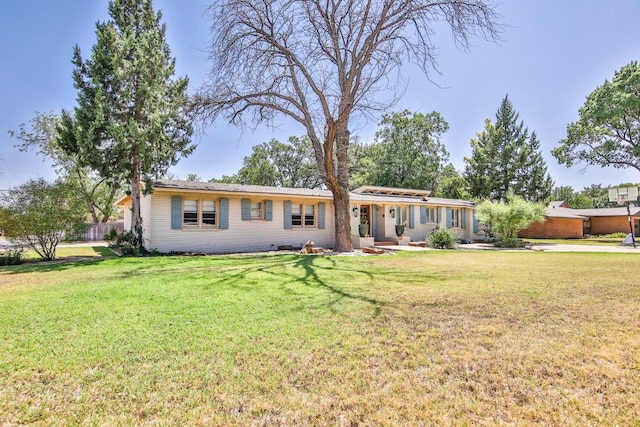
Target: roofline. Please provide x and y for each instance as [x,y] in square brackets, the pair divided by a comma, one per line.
[192,187]
[122,201]
[224,188]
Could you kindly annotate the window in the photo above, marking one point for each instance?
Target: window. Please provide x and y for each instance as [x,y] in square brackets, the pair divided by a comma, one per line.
[431,215]
[208,212]
[303,216]
[256,210]
[190,213]
[198,213]
[402,215]
[455,218]
[309,215]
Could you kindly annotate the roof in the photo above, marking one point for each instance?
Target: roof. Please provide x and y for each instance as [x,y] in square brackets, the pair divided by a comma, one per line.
[393,196]
[558,204]
[556,212]
[239,188]
[622,211]
[391,191]
[558,209]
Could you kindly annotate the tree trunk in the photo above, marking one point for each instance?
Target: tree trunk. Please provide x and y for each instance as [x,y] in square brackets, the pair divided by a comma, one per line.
[342,221]
[136,217]
[86,197]
[335,170]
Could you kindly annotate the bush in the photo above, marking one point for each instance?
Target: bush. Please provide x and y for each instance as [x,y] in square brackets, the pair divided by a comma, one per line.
[441,239]
[12,256]
[617,235]
[123,243]
[38,215]
[511,242]
[506,219]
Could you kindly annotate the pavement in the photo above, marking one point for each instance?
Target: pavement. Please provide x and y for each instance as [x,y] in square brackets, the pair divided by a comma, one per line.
[556,247]
[538,247]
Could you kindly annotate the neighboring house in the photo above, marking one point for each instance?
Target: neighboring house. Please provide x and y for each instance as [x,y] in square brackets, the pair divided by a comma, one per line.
[611,220]
[562,222]
[185,216]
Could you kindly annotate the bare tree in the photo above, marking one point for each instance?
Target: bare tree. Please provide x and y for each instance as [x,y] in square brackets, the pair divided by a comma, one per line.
[319,62]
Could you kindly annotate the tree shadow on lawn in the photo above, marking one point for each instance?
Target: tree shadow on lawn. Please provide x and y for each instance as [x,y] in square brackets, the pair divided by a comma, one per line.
[229,272]
[284,269]
[308,263]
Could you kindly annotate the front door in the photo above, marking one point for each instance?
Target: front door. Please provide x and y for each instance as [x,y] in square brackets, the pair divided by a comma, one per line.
[365,217]
[636,227]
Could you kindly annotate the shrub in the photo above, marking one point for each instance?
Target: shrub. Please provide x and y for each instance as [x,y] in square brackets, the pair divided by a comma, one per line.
[510,242]
[616,235]
[38,215]
[12,256]
[123,243]
[441,239]
[506,219]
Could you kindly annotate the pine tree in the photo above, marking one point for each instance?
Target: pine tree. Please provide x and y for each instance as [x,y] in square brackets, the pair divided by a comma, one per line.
[130,124]
[506,158]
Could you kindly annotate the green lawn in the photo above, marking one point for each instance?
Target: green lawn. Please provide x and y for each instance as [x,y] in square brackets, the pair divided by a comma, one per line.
[432,338]
[74,251]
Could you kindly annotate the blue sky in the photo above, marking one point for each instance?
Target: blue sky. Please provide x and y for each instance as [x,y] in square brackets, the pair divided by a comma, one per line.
[553,54]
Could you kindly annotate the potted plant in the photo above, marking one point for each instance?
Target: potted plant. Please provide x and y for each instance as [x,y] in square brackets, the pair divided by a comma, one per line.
[363,229]
[400,230]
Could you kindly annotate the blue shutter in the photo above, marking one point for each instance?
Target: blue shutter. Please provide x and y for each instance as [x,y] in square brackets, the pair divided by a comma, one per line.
[321,215]
[476,223]
[463,220]
[224,213]
[374,221]
[287,215]
[423,214]
[176,212]
[411,216]
[268,210]
[449,220]
[439,215]
[246,209]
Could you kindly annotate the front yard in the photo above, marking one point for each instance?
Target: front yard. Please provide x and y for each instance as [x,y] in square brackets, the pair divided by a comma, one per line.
[434,338]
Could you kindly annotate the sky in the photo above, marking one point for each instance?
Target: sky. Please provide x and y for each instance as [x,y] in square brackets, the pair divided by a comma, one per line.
[551,56]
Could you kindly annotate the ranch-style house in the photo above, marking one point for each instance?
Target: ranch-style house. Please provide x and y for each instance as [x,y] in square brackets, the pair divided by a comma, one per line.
[186,216]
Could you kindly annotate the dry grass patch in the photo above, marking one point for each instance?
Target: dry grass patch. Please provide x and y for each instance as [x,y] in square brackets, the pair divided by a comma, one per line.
[434,338]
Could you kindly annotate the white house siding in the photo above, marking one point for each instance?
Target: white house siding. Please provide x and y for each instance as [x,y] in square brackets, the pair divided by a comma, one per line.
[385,224]
[241,236]
[244,236]
[127,217]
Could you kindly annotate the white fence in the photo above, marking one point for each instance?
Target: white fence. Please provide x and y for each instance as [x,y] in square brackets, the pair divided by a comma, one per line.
[97,231]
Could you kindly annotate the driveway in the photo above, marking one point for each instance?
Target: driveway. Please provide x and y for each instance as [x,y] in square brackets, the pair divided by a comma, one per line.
[555,247]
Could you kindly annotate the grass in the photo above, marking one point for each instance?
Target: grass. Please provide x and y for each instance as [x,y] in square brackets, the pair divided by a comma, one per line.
[66,252]
[432,338]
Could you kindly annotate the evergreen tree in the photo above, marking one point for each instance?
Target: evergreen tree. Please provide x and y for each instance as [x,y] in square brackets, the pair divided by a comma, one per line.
[130,123]
[505,157]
